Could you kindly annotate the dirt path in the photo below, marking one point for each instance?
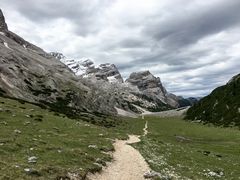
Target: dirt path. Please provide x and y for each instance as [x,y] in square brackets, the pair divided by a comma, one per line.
[145,130]
[128,163]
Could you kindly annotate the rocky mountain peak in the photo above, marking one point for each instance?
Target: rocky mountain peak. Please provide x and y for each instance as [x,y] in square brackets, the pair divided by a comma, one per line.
[110,71]
[144,80]
[152,86]
[57,55]
[86,68]
[3,25]
[87,63]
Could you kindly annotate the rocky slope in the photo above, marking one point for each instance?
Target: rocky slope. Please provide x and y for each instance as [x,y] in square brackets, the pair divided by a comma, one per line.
[152,87]
[86,68]
[221,107]
[130,95]
[29,73]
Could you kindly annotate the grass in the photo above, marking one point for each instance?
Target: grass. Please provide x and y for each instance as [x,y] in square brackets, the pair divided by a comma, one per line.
[221,107]
[183,150]
[62,146]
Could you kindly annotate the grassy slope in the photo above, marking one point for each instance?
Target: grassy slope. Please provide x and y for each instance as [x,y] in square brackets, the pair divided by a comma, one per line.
[204,149]
[61,145]
[221,107]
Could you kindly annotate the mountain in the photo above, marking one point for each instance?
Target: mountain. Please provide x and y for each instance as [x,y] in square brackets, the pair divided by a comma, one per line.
[29,73]
[142,91]
[86,68]
[190,101]
[221,107]
[74,87]
[152,87]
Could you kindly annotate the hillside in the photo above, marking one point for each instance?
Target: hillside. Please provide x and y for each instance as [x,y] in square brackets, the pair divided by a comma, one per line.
[221,107]
[29,73]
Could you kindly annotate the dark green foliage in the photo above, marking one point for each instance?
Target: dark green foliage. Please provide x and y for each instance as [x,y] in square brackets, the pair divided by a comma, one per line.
[221,107]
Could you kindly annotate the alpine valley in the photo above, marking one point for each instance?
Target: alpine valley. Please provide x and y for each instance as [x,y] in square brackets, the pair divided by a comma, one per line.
[72,119]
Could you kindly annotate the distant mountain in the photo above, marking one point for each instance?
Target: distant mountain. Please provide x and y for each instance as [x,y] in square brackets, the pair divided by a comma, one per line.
[86,68]
[183,102]
[141,90]
[152,87]
[221,107]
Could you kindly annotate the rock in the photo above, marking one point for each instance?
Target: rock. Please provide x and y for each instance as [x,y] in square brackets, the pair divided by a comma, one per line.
[92,146]
[17,131]
[86,68]
[32,159]
[3,25]
[4,123]
[152,87]
[27,123]
[32,172]
[151,174]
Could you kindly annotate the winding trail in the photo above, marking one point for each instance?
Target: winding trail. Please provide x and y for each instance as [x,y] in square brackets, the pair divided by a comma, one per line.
[145,130]
[128,163]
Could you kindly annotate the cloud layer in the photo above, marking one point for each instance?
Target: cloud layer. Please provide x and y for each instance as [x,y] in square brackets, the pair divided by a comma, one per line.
[192,45]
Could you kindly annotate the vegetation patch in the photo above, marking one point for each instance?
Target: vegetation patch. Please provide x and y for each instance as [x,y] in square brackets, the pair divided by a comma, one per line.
[178,149]
[221,107]
[56,146]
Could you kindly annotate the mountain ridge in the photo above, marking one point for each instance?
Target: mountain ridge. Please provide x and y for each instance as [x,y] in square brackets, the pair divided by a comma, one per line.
[220,107]
[31,74]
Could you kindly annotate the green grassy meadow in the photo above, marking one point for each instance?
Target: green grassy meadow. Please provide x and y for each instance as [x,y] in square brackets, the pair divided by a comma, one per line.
[63,147]
[36,143]
[182,150]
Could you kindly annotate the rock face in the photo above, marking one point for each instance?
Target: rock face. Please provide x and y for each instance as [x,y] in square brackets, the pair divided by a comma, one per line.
[86,68]
[3,25]
[221,107]
[152,86]
[29,73]
[141,91]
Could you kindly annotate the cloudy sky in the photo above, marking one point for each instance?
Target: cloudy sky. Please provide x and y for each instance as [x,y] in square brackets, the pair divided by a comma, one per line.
[194,46]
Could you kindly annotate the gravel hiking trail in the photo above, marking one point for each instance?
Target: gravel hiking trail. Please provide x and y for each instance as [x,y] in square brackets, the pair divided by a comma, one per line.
[128,163]
[145,129]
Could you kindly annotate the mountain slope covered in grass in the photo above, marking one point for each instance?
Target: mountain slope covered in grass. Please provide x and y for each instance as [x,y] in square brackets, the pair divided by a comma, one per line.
[221,107]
